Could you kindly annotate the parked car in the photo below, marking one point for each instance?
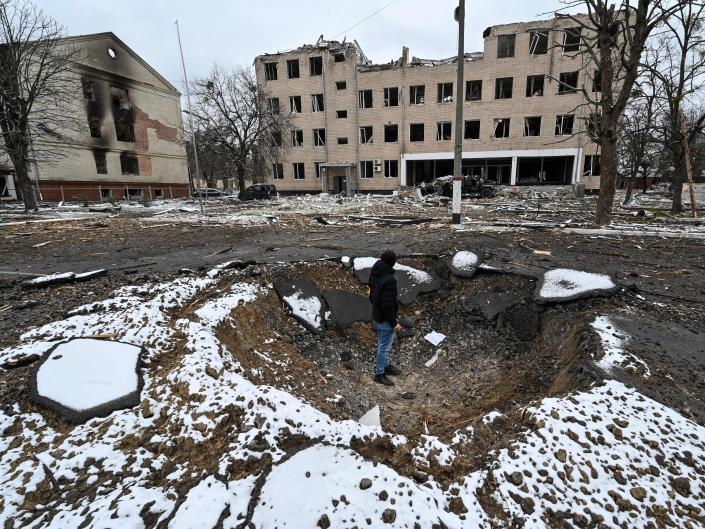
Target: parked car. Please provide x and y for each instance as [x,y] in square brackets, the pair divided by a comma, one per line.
[471,186]
[258,192]
[208,192]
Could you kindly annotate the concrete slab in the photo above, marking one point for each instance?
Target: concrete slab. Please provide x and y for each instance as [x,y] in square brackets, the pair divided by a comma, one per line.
[347,308]
[304,301]
[564,284]
[410,281]
[492,303]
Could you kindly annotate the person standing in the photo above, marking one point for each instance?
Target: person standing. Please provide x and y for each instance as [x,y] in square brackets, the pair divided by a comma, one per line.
[383,296]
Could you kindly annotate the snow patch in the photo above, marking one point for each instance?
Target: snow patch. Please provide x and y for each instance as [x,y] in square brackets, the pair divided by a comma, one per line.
[564,283]
[306,308]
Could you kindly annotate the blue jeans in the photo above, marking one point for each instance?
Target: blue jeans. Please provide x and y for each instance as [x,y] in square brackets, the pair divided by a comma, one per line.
[385,340]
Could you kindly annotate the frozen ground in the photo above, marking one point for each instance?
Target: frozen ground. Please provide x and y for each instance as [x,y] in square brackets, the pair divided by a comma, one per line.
[209,447]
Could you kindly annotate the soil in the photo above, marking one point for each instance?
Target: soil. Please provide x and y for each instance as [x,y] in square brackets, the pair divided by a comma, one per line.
[523,354]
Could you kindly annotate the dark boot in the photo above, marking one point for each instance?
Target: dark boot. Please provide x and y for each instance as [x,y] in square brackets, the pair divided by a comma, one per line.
[391,370]
[382,379]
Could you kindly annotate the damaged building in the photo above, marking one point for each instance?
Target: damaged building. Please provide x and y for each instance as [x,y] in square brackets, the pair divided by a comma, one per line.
[360,126]
[127,141]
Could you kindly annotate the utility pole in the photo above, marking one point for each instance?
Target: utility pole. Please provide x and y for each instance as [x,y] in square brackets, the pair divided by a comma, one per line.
[190,119]
[458,161]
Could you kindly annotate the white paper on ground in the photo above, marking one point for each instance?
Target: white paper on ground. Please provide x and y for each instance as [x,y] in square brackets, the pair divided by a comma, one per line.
[371,418]
[435,337]
[432,360]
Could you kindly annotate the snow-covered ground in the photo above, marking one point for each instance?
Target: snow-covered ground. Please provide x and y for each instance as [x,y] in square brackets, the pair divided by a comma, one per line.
[208,445]
[564,283]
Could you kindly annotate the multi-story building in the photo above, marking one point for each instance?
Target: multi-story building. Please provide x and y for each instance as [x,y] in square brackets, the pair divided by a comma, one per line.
[127,138]
[376,127]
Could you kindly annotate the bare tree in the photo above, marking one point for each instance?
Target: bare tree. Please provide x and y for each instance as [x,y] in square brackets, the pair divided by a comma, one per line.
[36,89]
[637,143]
[675,60]
[614,38]
[215,161]
[236,111]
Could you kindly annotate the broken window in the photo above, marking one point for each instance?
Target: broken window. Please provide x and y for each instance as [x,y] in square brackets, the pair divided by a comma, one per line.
[416,132]
[342,141]
[129,165]
[277,138]
[592,165]
[445,92]
[341,85]
[532,126]
[94,127]
[292,68]
[88,93]
[297,138]
[317,169]
[391,97]
[572,39]
[273,104]
[365,134]
[295,104]
[472,129]
[315,65]
[503,88]
[339,57]
[299,171]
[270,71]
[534,85]
[365,98]
[443,131]
[501,127]
[568,82]
[538,42]
[391,168]
[101,164]
[132,192]
[473,90]
[319,137]
[122,114]
[417,94]
[341,114]
[366,169]
[564,124]
[596,81]
[106,194]
[317,103]
[391,133]
[593,124]
[277,171]
[505,46]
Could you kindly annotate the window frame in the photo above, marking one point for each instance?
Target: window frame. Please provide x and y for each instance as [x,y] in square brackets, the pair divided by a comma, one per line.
[441,132]
[509,51]
[299,168]
[526,128]
[499,82]
[317,103]
[531,83]
[318,139]
[363,129]
[292,101]
[341,85]
[468,91]
[339,116]
[270,105]
[388,164]
[289,67]
[560,124]
[414,94]
[466,129]
[364,165]
[423,132]
[539,32]
[295,138]
[564,87]
[496,122]
[362,99]
[395,126]
[277,171]
[318,61]
[574,46]
[387,96]
[441,95]
[270,67]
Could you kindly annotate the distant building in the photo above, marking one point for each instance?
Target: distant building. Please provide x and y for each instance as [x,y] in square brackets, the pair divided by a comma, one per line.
[131,143]
[376,127]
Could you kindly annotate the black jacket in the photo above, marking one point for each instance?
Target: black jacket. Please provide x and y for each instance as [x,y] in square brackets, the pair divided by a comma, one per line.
[383,293]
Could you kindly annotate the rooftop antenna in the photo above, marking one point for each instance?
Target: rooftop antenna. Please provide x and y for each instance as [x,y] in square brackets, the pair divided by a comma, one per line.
[190,119]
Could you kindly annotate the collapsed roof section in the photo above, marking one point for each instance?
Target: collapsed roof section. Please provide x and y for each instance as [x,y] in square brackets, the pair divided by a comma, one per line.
[334,46]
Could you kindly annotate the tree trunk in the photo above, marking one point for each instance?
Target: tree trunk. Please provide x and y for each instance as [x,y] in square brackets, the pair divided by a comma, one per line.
[241,180]
[645,186]
[678,179]
[630,187]
[608,178]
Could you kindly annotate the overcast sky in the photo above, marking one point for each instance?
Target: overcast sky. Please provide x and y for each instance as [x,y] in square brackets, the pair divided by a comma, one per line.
[232,32]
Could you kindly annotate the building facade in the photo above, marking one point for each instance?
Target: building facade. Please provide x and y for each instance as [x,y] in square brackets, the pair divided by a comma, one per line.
[376,127]
[128,137]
